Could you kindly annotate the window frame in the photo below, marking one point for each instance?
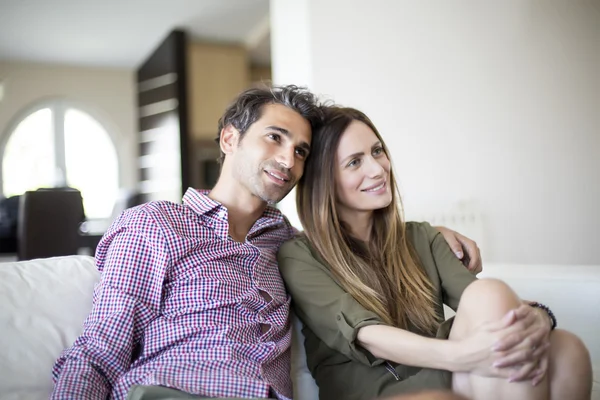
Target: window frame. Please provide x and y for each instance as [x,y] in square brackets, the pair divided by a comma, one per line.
[58,107]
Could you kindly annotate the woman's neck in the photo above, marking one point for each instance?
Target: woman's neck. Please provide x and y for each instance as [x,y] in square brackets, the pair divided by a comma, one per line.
[360,224]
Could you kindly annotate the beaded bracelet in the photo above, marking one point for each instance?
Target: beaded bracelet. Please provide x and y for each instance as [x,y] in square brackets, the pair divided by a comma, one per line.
[548,311]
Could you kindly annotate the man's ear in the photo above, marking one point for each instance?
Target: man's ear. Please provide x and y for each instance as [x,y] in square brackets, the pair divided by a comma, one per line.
[229,138]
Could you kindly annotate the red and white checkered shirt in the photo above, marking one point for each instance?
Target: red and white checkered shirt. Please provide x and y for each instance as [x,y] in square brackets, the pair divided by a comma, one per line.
[179,304]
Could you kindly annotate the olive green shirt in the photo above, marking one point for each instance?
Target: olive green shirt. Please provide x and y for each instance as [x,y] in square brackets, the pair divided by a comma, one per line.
[332,318]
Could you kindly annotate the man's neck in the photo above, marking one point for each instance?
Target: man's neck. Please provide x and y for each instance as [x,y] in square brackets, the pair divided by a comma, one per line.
[243,208]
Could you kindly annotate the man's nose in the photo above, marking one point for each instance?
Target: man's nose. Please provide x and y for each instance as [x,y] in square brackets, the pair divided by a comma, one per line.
[286,158]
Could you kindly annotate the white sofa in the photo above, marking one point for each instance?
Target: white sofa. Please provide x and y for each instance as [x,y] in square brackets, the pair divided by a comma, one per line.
[44,302]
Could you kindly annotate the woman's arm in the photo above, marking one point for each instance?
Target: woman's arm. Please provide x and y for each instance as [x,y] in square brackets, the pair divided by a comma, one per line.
[465,249]
[531,328]
[474,353]
[440,262]
[332,314]
[339,321]
[408,348]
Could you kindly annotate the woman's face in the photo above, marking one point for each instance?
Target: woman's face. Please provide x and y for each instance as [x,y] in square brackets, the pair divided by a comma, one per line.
[362,171]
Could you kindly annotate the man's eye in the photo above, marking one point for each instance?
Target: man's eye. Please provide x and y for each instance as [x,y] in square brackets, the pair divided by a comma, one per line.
[301,152]
[274,136]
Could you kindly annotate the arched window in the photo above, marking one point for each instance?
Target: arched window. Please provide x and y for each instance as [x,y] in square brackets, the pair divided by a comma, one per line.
[58,144]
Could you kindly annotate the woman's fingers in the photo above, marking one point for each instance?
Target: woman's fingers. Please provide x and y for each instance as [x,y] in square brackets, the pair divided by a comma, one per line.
[523,372]
[523,332]
[522,356]
[541,371]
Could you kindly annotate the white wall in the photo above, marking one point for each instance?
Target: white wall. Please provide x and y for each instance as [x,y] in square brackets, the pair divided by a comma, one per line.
[291,55]
[108,93]
[495,103]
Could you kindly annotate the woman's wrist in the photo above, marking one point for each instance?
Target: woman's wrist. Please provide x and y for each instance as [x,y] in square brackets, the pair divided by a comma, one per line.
[546,310]
[455,357]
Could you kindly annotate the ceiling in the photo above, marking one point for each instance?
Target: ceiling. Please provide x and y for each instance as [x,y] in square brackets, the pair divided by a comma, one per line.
[122,33]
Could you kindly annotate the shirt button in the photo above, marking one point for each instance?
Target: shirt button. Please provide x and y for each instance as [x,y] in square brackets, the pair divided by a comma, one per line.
[339,318]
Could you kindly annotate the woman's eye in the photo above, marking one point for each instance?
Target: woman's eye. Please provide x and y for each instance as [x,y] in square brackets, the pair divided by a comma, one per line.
[354,163]
[378,151]
[274,136]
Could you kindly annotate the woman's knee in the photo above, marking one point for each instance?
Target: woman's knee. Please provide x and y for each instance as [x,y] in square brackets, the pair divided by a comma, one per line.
[484,300]
[570,369]
[491,296]
[568,349]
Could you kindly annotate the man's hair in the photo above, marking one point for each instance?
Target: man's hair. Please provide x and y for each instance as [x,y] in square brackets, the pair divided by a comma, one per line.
[247,107]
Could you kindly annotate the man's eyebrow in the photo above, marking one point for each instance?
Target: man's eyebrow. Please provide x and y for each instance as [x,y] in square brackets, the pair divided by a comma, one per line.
[278,129]
[285,132]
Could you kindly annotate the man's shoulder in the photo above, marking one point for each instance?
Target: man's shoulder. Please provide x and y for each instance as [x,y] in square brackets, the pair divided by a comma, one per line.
[153,213]
[160,207]
[155,222]
[141,232]
[276,226]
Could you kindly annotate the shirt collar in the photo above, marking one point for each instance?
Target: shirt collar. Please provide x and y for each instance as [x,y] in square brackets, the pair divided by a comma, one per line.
[199,201]
[201,204]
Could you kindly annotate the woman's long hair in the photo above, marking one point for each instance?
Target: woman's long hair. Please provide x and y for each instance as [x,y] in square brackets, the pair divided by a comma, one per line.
[383,275]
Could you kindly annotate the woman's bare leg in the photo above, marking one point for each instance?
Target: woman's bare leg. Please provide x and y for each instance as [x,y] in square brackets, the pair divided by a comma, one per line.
[489,300]
[570,367]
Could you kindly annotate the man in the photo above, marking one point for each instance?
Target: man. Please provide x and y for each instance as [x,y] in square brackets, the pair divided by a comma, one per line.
[190,301]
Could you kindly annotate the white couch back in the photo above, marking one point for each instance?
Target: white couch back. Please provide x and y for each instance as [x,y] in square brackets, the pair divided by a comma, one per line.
[572,292]
[43,304]
[42,307]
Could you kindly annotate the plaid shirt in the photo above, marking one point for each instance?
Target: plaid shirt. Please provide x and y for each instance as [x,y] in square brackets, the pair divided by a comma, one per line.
[180,304]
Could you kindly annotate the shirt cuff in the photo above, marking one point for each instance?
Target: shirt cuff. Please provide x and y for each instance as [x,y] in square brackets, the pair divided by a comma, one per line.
[349,323]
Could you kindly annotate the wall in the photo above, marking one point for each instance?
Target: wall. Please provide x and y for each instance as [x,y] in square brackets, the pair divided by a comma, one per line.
[108,93]
[492,103]
[217,73]
[260,74]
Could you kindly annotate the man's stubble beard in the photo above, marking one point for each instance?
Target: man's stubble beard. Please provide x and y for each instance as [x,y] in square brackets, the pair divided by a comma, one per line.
[253,179]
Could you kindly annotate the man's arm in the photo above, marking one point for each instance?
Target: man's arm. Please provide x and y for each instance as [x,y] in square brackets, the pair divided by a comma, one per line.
[133,261]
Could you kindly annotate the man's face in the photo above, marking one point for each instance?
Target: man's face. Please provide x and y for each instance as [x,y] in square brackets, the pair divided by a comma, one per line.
[269,158]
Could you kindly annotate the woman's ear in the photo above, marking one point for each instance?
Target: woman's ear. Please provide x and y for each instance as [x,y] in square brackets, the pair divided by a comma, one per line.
[228,139]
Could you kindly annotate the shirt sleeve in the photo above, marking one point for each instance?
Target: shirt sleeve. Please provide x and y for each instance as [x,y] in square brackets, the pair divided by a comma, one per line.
[330,312]
[133,258]
[454,276]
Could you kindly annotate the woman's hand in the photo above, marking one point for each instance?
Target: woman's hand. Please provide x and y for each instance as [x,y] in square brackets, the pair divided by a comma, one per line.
[465,249]
[477,352]
[540,372]
[515,347]
[525,351]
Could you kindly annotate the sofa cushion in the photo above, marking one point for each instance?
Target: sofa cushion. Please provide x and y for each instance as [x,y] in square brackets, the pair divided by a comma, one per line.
[571,291]
[43,304]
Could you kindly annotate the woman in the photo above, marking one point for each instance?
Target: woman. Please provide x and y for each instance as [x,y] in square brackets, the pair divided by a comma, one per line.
[369,289]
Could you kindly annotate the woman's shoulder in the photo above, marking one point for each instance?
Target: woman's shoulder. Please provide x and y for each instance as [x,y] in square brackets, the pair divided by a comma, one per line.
[297,243]
[420,233]
[300,249]
[298,246]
